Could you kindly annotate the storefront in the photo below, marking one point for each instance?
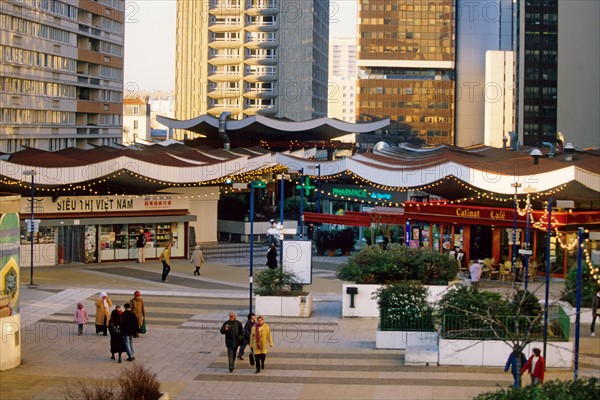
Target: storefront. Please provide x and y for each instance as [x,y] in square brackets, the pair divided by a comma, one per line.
[479,232]
[345,199]
[95,229]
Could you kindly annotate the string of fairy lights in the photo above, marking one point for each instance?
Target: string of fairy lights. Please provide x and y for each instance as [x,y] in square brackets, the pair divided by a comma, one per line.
[370,188]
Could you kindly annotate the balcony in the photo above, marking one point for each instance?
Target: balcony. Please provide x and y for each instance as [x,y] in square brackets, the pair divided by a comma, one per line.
[225,7]
[226,27]
[262,110]
[220,92]
[258,93]
[227,43]
[262,7]
[261,41]
[224,76]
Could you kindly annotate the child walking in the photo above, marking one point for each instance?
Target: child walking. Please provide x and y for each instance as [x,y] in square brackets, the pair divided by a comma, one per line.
[81,317]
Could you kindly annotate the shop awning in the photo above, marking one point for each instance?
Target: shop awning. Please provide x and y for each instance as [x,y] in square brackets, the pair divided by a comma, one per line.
[110,218]
[348,219]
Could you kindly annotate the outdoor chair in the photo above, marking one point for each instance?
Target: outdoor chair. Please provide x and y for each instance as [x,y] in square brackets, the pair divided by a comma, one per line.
[504,270]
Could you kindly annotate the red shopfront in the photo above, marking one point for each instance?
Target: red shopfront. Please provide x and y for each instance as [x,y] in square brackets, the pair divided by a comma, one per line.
[480,232]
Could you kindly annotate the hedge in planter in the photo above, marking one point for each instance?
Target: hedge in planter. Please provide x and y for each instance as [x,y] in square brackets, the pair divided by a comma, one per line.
[583,389]
[374,265]
[470,313]
[403,307]
[277,282]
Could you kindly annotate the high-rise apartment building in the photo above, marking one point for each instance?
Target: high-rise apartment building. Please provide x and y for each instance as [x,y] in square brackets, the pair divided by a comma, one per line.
[557,64]
[342,79]
[249,57]
[61,73]
[406,60]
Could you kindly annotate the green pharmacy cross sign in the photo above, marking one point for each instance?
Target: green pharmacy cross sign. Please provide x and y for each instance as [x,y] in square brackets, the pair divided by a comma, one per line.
[307,186]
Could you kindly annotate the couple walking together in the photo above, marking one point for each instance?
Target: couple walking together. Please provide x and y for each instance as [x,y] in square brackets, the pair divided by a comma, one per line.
[256,334]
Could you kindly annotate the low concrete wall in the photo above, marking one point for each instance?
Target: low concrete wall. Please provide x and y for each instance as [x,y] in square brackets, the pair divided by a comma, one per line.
[494,353]
[398,340]
[10,342]
[366,307]
[284,306]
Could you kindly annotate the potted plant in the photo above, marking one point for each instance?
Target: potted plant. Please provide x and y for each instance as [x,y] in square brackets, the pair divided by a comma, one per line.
[345,240]
[279,293]
[323,241]
[404,314]
[374,267]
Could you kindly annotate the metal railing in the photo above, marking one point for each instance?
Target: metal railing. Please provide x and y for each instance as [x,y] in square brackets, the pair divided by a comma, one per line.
[506,327]
[406,319]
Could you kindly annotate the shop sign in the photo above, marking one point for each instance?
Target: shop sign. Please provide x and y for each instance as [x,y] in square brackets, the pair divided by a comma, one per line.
[347,192]
[481,213]
[93,204]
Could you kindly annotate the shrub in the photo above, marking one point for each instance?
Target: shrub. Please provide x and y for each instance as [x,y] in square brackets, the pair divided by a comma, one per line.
[136,382]
[368,266]
[583,389]
[139,383]
[345,240]
[87,389]
[398,263]
[277,282]
[588,286]
[469,313]
[323,240]
[403,306]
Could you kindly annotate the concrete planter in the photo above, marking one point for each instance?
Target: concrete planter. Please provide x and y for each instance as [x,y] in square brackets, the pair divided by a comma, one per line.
[285,306]
[493,353]
[366,307]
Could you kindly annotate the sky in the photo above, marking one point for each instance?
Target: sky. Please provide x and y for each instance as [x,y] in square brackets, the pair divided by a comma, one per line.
[150,40]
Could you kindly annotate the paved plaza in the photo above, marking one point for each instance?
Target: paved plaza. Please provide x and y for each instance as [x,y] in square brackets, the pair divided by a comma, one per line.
[321,357]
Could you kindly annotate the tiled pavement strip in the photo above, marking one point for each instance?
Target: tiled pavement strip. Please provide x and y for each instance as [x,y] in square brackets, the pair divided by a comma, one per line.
[322,357]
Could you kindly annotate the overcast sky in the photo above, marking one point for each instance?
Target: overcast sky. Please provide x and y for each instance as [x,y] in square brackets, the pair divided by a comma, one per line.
[150,40]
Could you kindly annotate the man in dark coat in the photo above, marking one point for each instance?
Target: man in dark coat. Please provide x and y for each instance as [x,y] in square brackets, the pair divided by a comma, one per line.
[129,330]
[234,337]
[272,257]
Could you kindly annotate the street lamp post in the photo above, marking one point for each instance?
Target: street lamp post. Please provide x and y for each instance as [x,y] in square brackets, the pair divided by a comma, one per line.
[318,167]
[548,234]
[251,240]
[31,173]
[578,302]
[301,204]
[516,185]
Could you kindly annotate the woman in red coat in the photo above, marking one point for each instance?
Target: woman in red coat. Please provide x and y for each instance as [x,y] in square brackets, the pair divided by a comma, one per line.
[535,366]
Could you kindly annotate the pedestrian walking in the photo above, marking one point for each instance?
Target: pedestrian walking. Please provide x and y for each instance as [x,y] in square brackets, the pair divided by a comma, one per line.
[103,305]
[272,237]
[137,307]
[234,336]
[141,245]
[129,330]
[117,344]
[516,361]
[475,270]
[165,257]
[260,336]
[81,318]
[595,304]
[197,259]
[272,257]
[535,366]
[247,329]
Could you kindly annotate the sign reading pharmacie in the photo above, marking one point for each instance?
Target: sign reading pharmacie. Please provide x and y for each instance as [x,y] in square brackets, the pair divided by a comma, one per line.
[365,193]
[99,204]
